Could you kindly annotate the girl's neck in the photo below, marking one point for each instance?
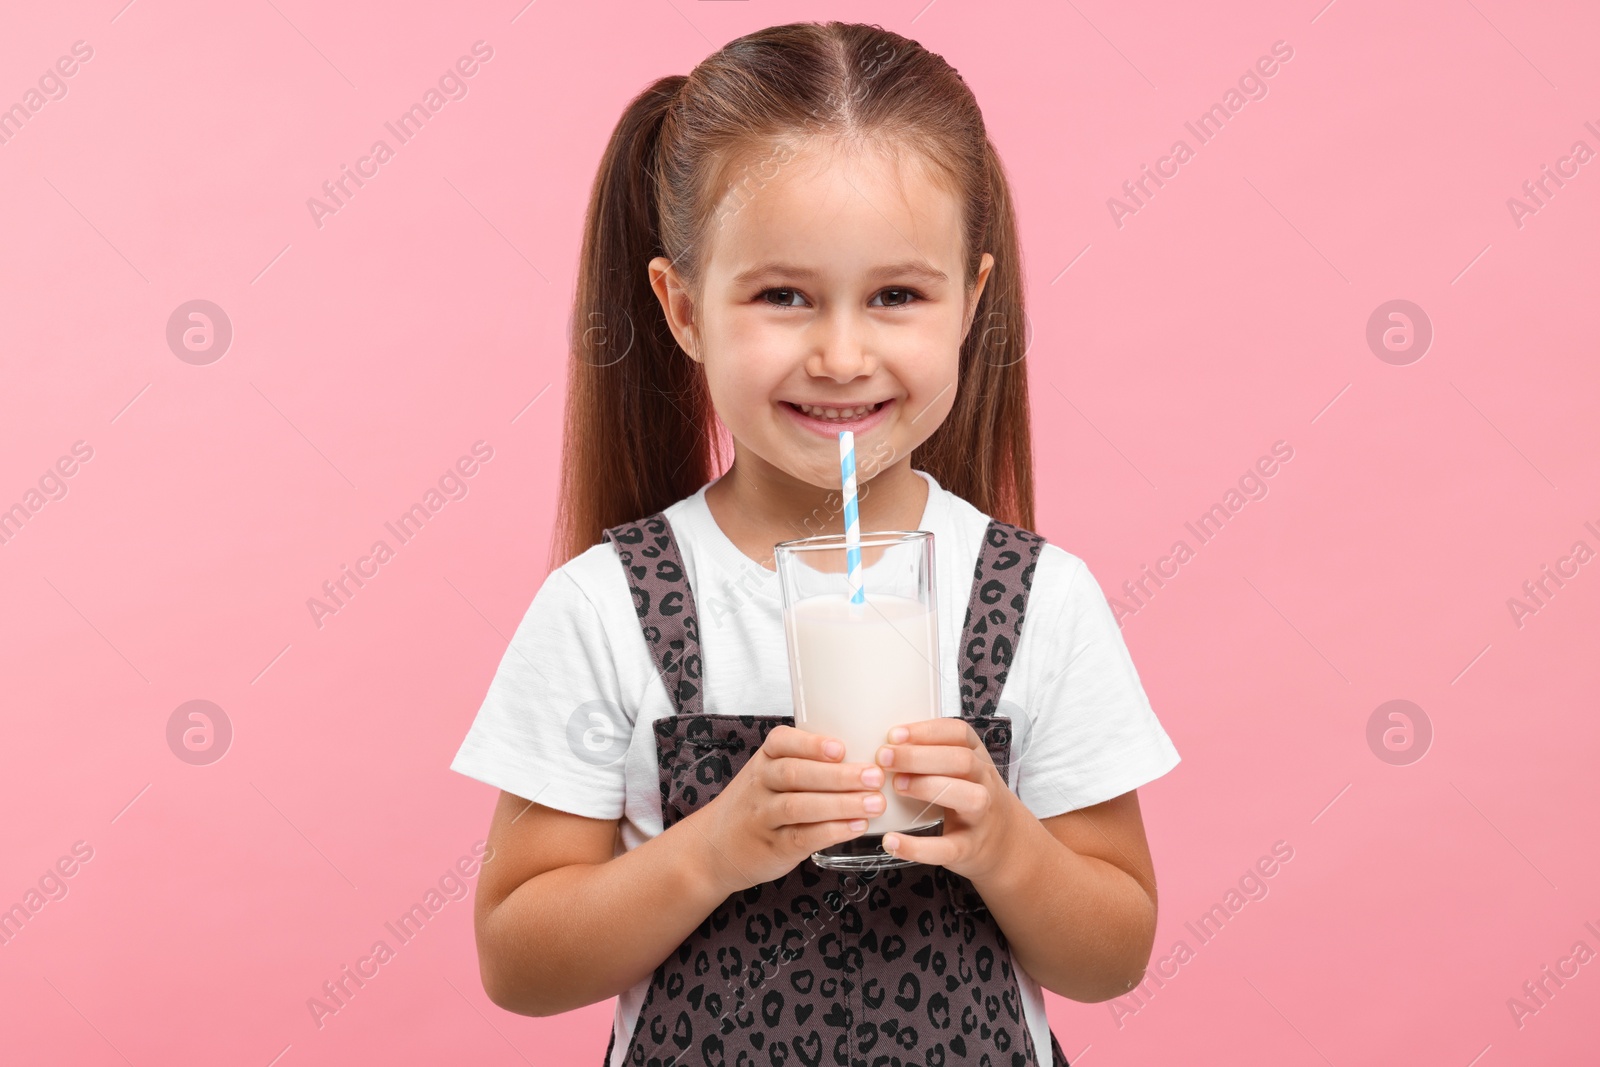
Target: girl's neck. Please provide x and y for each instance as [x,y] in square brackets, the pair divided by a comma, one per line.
[757,505]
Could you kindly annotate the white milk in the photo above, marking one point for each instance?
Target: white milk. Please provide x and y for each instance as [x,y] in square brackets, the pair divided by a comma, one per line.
[863,669]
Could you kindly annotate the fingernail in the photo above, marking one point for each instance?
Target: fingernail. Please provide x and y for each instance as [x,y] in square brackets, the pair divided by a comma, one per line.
[899,734]
[876,803]
[891,842]
[872,776]
[886,756]
[833,748]
[901,781]
[858,824]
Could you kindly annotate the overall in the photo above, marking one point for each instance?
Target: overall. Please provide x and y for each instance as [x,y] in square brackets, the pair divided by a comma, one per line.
[900,966]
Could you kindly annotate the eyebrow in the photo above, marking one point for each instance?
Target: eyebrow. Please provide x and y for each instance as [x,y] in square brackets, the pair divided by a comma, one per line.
[909,269]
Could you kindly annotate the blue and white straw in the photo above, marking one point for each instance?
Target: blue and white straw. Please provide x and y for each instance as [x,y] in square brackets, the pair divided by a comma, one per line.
[852,521]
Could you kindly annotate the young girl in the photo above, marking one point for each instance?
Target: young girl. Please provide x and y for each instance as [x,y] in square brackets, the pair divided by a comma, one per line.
[810,232]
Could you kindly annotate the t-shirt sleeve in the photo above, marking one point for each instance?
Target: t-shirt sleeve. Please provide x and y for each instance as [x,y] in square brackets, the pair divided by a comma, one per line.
[552,726]
[1092,735]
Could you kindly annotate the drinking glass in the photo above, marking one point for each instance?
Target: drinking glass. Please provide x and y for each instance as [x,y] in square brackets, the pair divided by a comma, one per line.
[857,670]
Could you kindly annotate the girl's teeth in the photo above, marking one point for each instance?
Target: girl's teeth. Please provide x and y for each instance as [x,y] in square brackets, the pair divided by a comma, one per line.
[835,413]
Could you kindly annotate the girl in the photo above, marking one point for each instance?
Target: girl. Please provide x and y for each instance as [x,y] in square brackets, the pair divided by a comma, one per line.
[809,232]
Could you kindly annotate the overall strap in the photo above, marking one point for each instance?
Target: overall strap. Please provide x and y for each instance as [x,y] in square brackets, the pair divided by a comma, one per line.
[665,605]
[993,627]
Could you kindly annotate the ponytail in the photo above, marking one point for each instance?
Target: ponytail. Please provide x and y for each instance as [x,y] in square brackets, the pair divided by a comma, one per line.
[982,451]
[638,411]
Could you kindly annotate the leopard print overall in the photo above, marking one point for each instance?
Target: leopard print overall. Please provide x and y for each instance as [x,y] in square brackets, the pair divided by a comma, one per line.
[900,966]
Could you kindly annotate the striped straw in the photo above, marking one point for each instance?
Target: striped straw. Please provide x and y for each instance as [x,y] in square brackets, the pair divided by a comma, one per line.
[852,521]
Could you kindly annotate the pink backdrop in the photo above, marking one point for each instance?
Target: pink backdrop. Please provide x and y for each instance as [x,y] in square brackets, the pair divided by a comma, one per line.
[178,510]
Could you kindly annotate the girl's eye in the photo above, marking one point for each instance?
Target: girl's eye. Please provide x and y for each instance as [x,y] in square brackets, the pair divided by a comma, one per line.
[906,297]
[784,295]
[896,297]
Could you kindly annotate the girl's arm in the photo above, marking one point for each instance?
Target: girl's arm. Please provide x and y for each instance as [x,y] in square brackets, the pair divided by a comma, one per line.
[1076,897]
[561,923]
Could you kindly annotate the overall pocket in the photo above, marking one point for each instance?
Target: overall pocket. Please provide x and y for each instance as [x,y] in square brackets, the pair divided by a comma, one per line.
[698,755]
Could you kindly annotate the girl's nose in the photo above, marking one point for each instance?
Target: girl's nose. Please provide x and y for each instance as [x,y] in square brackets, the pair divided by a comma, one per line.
[840,353]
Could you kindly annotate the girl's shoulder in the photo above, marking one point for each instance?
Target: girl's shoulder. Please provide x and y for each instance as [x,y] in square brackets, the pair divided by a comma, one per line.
[592,584]
[1061,587]
[598,574]
[970,524]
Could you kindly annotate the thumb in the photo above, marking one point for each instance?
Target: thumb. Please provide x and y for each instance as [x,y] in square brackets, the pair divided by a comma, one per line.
[901,847]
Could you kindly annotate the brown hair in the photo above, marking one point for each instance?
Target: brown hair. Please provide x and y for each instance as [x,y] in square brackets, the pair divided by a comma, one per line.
[640,431]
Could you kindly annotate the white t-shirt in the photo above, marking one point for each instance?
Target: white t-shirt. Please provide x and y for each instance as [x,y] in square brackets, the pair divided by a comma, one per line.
[567,717]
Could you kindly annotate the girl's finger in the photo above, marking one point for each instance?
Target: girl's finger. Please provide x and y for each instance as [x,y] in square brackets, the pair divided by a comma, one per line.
[938,851]
[790,741]
[798,809]
[955,760]
[940,730]
[968,798]
[793,773]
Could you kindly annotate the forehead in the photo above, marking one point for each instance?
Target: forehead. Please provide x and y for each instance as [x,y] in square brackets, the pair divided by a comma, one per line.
[834,208]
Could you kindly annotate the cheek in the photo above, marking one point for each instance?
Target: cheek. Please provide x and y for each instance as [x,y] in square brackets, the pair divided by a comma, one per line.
[928,358]
[762,345]
[743,380]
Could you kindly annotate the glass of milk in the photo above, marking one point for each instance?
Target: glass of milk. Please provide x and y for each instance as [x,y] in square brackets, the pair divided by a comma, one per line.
[858,670]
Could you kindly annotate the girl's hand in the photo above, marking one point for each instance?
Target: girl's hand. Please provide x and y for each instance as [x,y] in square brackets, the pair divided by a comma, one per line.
[792,797]
[943,761]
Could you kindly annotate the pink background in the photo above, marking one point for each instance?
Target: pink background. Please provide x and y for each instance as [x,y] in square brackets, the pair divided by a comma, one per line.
[369,354]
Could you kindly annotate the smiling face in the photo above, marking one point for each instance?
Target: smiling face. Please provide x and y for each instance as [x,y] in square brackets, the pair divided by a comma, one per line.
[834,285]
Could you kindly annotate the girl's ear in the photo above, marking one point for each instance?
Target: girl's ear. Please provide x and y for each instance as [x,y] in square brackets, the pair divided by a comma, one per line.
[675,303]
[985,265]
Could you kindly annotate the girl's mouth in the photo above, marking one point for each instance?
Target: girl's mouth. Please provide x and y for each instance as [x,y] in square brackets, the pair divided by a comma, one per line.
[829,421]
